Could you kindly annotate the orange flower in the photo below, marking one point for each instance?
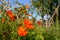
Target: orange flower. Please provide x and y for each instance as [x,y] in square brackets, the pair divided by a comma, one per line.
[28,24]
[3,20]
[25,11]
[39,22]
[0,12]
[11,15]
[22,31]
[29,14]
[21,9]
[27,6]
[26,21]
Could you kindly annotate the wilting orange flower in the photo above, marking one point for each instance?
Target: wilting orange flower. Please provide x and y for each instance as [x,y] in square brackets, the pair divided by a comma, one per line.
[29,14]
[3,20]
[21,9]
[27,6]
[39,22]
[28,24]
[0,12]
[10,14]
[22,31]
[24,11]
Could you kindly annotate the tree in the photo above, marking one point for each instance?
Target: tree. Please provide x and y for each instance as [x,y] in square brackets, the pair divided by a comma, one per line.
[46,6]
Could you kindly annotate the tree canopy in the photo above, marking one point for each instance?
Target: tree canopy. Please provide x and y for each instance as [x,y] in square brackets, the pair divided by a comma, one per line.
[45,5]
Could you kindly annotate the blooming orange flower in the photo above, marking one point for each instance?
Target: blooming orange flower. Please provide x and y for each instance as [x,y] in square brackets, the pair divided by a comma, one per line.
[22,31]
[26,21]
[10,14]
[28,24]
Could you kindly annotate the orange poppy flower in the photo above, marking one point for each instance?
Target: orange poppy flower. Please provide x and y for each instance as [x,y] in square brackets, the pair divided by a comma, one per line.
[8,23]
[10,14]
[22,31]
[26,21]
[28,24]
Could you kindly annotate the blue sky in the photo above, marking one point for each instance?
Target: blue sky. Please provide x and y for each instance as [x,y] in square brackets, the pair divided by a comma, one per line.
[26,2]
[13,3]
[21,1]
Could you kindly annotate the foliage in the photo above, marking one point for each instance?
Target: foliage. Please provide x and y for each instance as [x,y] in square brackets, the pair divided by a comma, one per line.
[15,25]
[9,31]
[46,6]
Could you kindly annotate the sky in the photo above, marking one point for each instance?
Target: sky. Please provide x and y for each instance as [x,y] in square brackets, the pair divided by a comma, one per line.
[25,1]
[13,3]
[29,3]
[21,1]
